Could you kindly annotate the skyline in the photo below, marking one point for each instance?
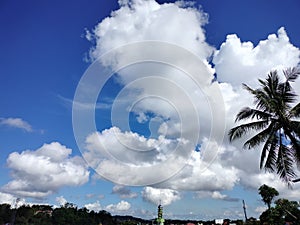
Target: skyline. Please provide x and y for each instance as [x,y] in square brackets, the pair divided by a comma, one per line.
[48,48]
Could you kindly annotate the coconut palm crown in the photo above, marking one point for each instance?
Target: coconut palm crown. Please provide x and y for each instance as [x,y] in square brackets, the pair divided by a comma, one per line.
[275,119]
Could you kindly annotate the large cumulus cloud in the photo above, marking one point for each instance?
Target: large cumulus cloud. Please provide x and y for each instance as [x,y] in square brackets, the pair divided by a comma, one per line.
[219,165]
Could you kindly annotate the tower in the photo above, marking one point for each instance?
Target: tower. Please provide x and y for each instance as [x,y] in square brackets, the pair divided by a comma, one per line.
[244,207]
[160,220]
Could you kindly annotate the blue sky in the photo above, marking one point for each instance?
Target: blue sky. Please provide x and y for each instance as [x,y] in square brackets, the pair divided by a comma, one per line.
[48,46]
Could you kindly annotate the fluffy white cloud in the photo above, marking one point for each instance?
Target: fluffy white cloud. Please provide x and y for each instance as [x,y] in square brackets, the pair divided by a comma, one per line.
[96,206]
[17,123]
[240,62]
[41,172]
[160,196]
[140,20]
[218,195]
[119,207]
[129,158]
[176,90]
[204,172]
[163,97]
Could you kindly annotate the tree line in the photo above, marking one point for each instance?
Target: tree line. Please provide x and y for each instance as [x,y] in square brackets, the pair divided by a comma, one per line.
[68,214]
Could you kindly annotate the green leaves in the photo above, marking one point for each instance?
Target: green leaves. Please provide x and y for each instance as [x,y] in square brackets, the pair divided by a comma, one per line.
[283,211]
[267,194]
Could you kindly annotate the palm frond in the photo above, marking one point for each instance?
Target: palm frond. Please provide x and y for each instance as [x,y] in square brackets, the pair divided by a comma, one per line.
[295,111]
[240,130]
[294,144]
[294,139]
[268,148]
[265,101]
[272,83]
[285,163]
[271,146]
[261,136]
[245,86]
[249,113]
[286,94]
[261,97]
[291,74]
[295,127]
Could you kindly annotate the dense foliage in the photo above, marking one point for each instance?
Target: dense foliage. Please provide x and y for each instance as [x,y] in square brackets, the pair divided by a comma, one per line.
[267,194]
[283,211]
[68,214]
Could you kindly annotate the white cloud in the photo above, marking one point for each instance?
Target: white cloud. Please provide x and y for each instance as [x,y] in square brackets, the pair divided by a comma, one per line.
[7,198]
[13,201]
[119,207]
[160,196]
[42,172]
[260,209]
[180,92]
[240,62]
[129,157]
[199,174]
[218,195]
[220,165]
[96,206]
[61,200]
[148,20]
[16,123]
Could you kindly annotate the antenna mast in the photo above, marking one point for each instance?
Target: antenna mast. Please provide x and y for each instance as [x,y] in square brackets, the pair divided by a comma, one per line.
[244,207]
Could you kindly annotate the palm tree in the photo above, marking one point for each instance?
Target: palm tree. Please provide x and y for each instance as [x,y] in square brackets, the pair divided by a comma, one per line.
[274,118]
[267,194]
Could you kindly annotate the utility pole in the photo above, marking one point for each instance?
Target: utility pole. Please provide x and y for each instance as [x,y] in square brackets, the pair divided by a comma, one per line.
[244,207]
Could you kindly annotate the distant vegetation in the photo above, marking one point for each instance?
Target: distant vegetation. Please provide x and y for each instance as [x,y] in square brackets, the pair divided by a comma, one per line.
[278,212]
[69,214]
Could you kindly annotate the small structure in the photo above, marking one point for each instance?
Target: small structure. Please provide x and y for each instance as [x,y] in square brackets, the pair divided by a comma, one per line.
[160,220]
[219,221]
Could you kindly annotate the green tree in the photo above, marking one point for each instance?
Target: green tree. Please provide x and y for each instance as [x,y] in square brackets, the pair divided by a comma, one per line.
[288,210]
[275,119]
[5,213]
[65,215]
[284,211]
[267,194]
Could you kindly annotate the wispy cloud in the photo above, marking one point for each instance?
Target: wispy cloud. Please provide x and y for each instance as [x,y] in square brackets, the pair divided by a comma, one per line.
[83,105]
[16,123]
[124,192]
